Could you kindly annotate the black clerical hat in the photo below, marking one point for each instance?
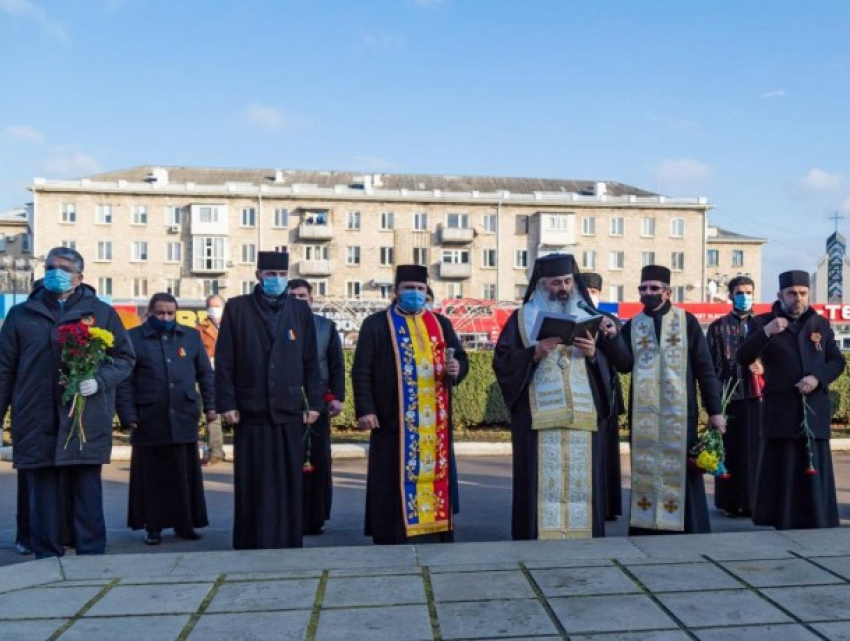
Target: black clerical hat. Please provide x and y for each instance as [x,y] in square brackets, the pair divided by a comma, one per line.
[556,265]
[414,273]
[592,280]
[794,278]
[273,261]
[655,272]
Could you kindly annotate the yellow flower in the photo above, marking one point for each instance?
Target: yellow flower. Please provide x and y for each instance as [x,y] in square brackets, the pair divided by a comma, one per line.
[102,335]
[707,460]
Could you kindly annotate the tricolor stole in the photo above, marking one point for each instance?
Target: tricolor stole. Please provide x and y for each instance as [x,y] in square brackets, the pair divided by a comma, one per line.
[659,422]
[419,349]
[564,415]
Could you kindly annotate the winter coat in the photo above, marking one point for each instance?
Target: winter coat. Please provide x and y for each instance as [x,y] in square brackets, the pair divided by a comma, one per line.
[209,336]
[161,395]
[30,365]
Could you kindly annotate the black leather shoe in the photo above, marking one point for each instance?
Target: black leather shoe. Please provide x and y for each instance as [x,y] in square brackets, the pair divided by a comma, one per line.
[153,538]
[189,535]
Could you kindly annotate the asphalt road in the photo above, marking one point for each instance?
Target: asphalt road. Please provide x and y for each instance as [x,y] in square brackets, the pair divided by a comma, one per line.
[485,507]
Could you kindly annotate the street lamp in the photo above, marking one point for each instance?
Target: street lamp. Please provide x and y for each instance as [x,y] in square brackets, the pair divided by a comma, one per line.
[17,270]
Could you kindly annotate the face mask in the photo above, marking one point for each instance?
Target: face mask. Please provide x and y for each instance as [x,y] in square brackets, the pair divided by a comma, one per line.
[215,312]
[429,307]
[274,285]
[412,301]
[743,302]
[595,299]
[162,326]
[57,281]
[651,301]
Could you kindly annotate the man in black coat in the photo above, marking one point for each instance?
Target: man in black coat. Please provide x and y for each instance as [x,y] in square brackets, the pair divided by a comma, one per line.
[267,385]
[318,477]
[402,375]
[30,366]
[795,482]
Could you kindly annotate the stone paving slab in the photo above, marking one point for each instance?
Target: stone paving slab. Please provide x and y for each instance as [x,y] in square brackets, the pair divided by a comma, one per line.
[373,591]
[295,594]
[680,577]
[837,631]
[256,626]
[37,573]
[663,635]
[839,565]
[45,602]
[481,586]
[494,619]
[722,608]
[584,581]
[791,632]
[400,623]
[29,630]
[813,603]
[170,598]
[762,574]
[158,627]
[623,613]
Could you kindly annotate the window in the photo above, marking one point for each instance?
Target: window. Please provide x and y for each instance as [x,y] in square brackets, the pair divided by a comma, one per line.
[69,213]
[647,227]
[522,224]
[172,286]
[139,214]
[247,286]
[208,253]
[588,226]
[352,289]
[249,253]
[317,217]
[386,256]
[352,220]
[387,220]
[104,250]
[490,223]
[456,256]
[489,291]
[320,287]
[420,256]
[677,261]
[316,252]
[209,286]
[104,286]
[588,259]
[678,294]
[70,244]
[454,290]
[556,222]
[2,242]
[420,221]
[385,291]
[281,218]
[737,258]
[173,252]
[208,214]
[647,258]
[519,291]
[618,225]
[712,258]
[677,227]
[282,248]
[26,243]
[173,215]
[616,260]
[140,250]
[104,214]
[457,221]
[140,288]
[489,258]
[352,255]
[249,217]
[616,293]
[521,259]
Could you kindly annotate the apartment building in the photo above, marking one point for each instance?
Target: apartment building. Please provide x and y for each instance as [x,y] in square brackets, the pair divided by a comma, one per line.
[194,231]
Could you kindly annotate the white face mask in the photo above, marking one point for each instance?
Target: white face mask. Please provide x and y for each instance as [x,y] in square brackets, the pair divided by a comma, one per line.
[595,299]
[215,312]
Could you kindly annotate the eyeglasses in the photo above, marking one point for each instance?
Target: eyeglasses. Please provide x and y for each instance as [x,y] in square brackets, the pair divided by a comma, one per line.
[650,288]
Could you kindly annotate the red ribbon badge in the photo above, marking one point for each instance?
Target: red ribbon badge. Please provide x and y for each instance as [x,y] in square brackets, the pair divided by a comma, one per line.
[816,339]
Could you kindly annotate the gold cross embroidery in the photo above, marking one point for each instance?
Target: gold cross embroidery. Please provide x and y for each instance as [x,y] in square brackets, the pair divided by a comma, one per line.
[644,504]
[671,506]
[673,340]
[645,342]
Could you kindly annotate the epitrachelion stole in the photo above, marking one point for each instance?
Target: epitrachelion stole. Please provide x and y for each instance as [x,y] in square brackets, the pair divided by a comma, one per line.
[564,416]
[659,422]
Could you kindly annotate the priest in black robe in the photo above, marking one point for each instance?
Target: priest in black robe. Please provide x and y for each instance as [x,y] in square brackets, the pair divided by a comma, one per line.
[268,387]
[743,384]
[795,482]
[556,394]
[609,424]
[406,362]
[670,357]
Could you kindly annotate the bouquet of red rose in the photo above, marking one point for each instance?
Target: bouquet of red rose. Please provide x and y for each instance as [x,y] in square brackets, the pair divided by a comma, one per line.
[83,350]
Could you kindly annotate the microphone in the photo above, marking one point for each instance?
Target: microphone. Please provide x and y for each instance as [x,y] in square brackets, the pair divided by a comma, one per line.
[450,354]
[582,305]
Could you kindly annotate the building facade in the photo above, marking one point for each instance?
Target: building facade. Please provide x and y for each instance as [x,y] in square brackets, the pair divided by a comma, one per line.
[728,255]
[194,231]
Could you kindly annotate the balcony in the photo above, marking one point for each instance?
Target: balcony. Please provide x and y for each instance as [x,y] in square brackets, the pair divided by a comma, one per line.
[458,235]
[557,237]
[315,268]
[455,270]
[314,231]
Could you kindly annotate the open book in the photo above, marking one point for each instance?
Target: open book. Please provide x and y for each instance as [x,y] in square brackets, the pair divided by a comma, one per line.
[565,326]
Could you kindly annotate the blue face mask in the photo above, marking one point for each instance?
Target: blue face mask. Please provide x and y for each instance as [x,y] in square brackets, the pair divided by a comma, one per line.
[162,326]
[743,302]
[411,301]
[274,285]
[57,281]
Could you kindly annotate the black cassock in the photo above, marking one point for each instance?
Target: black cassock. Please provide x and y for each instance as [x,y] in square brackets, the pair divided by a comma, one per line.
[700,368]
[376,379]
[266,362]
[612,476]
[735,495]
[514,367]
[786,496]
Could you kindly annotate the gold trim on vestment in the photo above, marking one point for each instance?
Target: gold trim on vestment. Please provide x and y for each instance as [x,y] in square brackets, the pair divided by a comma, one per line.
[659,422]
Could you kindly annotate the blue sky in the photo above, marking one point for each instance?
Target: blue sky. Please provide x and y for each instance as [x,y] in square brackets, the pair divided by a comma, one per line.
[746,103]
